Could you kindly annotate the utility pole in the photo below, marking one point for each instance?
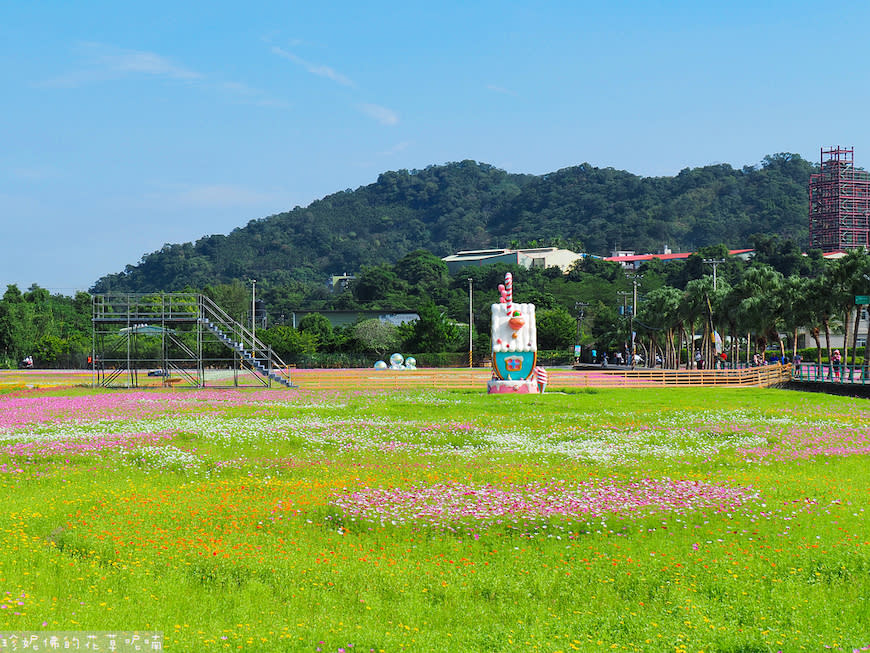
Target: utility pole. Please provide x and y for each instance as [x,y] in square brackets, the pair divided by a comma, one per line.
[470,324]
[625,294]
[711,349]
[253,314]
[578,306]
[867,337]
[714,262]
[634,280]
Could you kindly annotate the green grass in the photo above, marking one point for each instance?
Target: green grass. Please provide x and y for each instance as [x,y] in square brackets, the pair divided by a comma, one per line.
[227,535]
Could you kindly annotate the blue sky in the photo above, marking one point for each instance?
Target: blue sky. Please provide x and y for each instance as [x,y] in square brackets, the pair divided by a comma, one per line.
[126,126]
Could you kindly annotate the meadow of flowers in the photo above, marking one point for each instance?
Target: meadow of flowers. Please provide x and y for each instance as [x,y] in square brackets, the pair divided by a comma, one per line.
[277,520]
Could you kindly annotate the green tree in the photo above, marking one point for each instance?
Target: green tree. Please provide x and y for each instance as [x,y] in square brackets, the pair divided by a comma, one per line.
[49,349]
[432,332]
[234,298]
[761,306]
[659,316]
[423,271]
[376,336]
[289,343]
[556,328]
[380,285]
[319,327]
[845,279]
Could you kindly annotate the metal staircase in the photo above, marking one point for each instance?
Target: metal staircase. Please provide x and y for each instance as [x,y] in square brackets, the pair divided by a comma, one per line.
[180,334]
[257,356]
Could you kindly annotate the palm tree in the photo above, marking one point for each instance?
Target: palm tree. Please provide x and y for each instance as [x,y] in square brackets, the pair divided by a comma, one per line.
[730,307]
[796,311]
[659,316]
[821,305]
[717,307]
[693,307]
[761,307]
[845,277]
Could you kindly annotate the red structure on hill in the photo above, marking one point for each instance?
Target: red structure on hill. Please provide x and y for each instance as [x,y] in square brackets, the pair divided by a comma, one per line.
[839,202]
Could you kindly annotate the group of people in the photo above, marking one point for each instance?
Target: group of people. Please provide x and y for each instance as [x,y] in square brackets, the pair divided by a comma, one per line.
[720,360]
[27,363]
[758,360]
[620,359]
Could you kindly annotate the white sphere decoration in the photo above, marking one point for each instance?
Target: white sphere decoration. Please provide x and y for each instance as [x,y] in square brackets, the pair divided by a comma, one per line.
[411,363]
[396,360]
[380,365]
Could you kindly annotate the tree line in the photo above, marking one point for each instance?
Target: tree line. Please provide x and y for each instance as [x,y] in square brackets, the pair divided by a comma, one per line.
[679,309]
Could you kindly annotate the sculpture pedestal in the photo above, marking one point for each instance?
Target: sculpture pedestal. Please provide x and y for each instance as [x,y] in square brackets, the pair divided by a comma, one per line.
[498,386]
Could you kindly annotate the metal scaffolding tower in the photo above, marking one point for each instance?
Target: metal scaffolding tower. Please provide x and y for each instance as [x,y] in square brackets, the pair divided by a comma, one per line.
[839,202]
[176,338]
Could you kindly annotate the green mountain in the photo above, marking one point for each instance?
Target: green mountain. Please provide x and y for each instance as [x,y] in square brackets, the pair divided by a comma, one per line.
[474,205]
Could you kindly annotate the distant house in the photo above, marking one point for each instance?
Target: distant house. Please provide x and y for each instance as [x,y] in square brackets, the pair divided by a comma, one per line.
[634,261]
[481,257]
[340,282]
[552,257]
[543,257]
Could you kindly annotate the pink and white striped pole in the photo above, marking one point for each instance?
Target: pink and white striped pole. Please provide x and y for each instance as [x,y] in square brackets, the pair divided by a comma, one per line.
[542,378]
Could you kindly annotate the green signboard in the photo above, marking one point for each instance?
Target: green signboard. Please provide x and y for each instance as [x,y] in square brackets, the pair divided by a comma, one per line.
[860,300]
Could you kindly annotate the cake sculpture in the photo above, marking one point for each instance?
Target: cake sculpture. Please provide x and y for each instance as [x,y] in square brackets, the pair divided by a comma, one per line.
[514,344]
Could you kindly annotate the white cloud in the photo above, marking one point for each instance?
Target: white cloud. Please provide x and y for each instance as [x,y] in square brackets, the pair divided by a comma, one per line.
[315,69]
[147,63]
[103,62]
[106,62]
[383,115]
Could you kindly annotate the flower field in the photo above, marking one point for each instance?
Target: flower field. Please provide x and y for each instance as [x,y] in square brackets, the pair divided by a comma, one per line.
[276,520]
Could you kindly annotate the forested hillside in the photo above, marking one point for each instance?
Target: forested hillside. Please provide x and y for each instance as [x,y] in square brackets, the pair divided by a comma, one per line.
[474,205]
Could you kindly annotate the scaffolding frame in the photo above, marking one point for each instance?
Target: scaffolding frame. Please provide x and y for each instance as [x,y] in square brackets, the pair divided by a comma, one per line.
[178,337]
[839,198]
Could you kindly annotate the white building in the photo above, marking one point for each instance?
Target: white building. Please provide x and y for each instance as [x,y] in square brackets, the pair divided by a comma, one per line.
[537,257]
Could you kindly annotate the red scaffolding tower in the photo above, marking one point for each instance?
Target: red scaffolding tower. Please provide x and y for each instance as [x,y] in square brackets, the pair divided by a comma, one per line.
[839,202]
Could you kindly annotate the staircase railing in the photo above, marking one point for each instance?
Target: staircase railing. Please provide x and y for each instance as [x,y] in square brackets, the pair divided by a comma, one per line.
[271,363]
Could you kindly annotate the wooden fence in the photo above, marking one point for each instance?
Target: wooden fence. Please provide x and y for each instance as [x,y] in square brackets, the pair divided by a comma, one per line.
[446,378]
[476,378]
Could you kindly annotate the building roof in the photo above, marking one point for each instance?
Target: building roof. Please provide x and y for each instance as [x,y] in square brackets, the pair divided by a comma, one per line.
[665,257]
[474,254]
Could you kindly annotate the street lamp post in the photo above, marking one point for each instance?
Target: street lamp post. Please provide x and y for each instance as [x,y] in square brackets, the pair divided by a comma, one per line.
[634,280]
[253,313]
[714,262]
[625,311]
[578,306]
[867,337]
[470,324]
[710,350]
